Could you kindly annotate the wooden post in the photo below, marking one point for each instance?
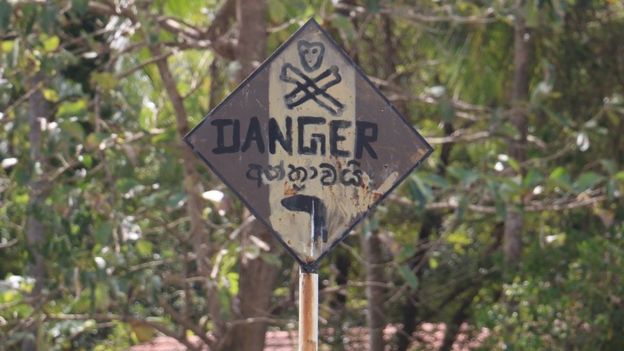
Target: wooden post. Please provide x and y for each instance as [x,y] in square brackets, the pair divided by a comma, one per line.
[308,311]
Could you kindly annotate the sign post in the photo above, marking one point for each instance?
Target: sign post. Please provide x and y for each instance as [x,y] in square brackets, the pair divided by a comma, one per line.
[310,146]
[308,311]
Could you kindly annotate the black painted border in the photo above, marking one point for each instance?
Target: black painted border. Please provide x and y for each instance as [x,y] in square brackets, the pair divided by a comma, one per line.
[309,266]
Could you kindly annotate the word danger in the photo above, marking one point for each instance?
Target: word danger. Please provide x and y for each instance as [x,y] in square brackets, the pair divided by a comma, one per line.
[325,173]
[308,140]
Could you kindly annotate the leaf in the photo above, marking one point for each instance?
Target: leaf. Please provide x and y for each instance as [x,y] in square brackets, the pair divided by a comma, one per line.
[560,177]
[460,238]
[147,120]
[587,181]
[50,43]
[6,46]
[73,129]
[225,303]
[80,6]
[494,188]
[433,263]
[609,166]
[94,140]
[416,194]
[564,120]
[461,209]
[50,95]
[343,23]
[277,11]
[466,176]
[531,13]
[514,164]
[184,9]
[232,278]
[47,17]
[87,161]
[176,200]
[407,251]
[126,184]
[103,232]
[372,6]
[102,297]
[447,111]
[410,278]
[532,178]
[144,247]
[72,108]
[423,187]
[104,80]
[143,332]
[437,181]
[5,15]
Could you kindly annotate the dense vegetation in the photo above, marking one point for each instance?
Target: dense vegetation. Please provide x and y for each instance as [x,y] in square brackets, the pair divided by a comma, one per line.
[112,232]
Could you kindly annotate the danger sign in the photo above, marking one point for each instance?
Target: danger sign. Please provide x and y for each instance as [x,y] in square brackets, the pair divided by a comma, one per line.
[309,144]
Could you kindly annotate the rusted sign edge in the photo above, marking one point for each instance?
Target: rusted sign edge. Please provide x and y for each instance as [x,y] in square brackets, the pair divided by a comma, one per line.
[312,266]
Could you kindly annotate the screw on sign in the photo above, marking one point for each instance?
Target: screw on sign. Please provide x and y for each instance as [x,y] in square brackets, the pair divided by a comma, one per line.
[310,146]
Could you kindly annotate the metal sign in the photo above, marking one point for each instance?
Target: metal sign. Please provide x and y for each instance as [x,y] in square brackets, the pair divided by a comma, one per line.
[309,144]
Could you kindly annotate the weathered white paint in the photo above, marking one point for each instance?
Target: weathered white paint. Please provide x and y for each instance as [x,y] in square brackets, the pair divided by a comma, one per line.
[338,198]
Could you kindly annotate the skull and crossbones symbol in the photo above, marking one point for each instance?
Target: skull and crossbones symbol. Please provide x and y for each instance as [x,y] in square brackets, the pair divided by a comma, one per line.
[309,87]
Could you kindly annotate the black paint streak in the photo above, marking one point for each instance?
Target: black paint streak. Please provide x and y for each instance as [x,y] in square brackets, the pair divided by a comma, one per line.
[315,207]
[310,89]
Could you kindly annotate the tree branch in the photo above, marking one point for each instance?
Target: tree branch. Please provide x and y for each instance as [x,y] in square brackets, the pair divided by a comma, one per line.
[560,204]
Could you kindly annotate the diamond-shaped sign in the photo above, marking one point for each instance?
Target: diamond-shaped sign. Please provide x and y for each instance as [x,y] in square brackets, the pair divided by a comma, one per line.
[309,144]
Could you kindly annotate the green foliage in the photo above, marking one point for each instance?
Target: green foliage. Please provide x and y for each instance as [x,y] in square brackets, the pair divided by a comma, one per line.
[118,248]
[566,297]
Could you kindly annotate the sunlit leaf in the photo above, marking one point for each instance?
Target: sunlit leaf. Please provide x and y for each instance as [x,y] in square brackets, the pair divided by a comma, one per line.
[104,80]
[144,247]
[50,95]
[72,108]
[50,43]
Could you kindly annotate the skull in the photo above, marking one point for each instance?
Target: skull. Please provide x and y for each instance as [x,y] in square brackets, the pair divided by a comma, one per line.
[311,54]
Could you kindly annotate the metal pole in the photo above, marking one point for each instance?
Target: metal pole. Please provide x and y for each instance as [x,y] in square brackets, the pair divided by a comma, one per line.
[308,311]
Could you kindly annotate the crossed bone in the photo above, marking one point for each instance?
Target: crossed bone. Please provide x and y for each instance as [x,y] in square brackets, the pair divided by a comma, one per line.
[308,88]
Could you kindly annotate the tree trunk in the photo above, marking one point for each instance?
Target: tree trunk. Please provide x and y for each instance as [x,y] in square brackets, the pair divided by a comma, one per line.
[460,316]
[200,237]
[257,277]
[252,39]
[35,232]
[375,293]
[256,282]
[512,242]
[338,302]
[410,311]
[431,220]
